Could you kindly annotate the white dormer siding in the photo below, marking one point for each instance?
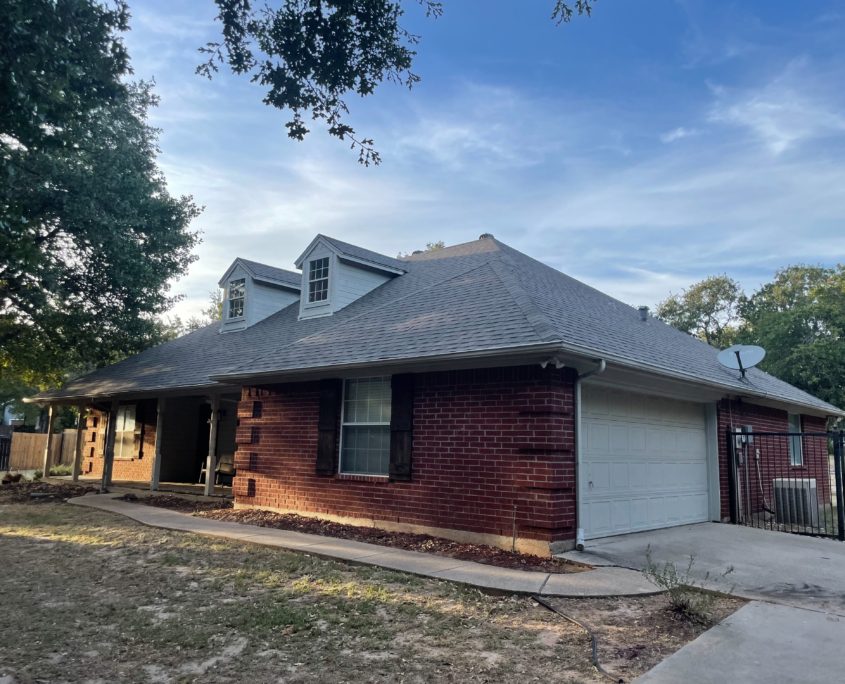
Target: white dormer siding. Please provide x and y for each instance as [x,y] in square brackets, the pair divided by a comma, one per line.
[261,298]
[348,279]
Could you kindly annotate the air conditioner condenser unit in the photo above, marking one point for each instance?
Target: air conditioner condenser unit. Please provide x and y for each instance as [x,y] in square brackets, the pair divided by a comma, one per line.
[796,501]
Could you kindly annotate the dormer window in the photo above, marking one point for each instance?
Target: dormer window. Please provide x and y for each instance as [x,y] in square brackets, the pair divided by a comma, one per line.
[237,294]
[318,280]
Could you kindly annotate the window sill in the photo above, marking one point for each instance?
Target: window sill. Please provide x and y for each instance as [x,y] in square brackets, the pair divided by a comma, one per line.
[360,477]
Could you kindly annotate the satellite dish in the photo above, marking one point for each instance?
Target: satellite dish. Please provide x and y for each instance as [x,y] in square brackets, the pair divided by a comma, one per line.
[741,357]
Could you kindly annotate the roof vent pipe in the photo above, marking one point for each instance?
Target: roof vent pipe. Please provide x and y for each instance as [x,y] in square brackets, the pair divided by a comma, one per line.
[643,312]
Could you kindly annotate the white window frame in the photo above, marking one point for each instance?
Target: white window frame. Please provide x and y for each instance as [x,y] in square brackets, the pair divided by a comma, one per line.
[796,445]
[230,299]
[344,424]
[123,415]
[327,278]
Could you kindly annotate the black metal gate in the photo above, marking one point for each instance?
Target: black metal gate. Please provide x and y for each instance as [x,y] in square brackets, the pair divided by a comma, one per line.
[5,449]
[787,481]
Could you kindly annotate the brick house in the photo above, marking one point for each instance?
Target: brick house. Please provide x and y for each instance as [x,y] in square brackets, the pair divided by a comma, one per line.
[471,392]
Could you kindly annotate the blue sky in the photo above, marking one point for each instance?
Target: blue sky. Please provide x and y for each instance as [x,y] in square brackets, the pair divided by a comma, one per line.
[640,150]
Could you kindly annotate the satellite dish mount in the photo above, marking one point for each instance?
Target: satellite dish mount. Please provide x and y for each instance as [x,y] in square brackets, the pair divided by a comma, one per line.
[739,363]
[741,357]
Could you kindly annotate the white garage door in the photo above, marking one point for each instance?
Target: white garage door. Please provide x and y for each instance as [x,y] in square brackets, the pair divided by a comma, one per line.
[644,462]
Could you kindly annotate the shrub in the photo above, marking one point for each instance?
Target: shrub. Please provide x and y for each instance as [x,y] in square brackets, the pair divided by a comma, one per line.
[61,470]
[686,593]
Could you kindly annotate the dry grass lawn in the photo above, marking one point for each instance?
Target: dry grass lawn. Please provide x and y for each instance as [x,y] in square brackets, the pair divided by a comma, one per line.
[89,596]
[93,597]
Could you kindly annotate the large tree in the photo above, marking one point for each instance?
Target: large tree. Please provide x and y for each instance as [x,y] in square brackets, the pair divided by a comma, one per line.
[799,318]
[310,56]
[707,309]
[89,234]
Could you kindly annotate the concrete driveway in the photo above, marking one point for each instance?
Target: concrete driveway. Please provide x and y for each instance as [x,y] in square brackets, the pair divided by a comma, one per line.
[792,630]
[789,569]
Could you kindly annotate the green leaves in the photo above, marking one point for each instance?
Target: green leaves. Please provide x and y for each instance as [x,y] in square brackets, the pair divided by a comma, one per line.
[310,55]
[707,310]
[90,235]
[799,318]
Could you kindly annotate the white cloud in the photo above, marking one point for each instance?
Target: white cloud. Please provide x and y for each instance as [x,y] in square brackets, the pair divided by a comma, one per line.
[789,110]
[676,134]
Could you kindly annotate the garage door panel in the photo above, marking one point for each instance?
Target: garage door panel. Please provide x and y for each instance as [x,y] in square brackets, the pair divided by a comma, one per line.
[646,462]
[598,438]
[639,513]
[618,438]
[636,439]
[619,476]
[640,477]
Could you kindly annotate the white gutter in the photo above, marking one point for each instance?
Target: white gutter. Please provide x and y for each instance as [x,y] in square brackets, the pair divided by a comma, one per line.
[579,489]
[749,390]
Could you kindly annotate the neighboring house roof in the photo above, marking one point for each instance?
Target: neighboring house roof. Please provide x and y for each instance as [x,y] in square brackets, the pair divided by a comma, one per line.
[357,254]
[474,298]
[265,273]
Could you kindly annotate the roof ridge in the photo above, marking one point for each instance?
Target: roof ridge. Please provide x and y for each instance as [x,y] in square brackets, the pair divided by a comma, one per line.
[349,248]
[504,270]
[429,252]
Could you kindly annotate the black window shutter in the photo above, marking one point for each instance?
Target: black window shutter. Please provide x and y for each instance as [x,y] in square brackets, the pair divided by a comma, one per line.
[401,426]
[138,436]
[330,397]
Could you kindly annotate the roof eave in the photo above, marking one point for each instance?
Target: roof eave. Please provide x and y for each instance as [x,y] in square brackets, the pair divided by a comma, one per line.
[490,353]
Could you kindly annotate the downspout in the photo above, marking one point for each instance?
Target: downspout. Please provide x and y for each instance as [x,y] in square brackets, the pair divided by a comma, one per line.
[598,370]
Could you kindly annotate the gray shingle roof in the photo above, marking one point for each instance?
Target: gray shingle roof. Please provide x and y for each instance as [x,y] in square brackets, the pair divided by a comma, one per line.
[470,298]
[364,254]
[262,271]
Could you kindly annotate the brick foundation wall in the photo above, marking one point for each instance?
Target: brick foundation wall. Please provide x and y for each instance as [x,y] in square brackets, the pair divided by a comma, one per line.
[488,445]
[774,452]
[140,466]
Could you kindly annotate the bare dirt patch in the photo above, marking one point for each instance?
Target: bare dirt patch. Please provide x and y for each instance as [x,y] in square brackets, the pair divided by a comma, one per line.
[634,634]
[424,543]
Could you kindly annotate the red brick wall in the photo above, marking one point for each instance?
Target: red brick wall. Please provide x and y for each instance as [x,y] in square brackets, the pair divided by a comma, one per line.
[140,466]
[774,452]
[484,442]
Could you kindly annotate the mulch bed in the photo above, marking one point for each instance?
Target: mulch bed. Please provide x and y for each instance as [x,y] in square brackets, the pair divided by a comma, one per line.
[178,503]
[35,492]
[438,546]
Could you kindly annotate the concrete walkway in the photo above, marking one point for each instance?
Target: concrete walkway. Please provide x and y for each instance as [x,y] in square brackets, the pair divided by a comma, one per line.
[792,630]
[782,568]
[761,643]
[609,581]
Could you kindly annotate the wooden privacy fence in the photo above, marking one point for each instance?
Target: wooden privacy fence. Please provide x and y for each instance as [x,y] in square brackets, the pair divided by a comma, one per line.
[27,449]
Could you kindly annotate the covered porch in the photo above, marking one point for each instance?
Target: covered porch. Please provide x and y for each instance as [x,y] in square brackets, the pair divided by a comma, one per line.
[176,443]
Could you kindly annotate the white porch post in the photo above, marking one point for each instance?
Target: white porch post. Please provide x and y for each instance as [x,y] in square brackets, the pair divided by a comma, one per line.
[211,462]
[51,419]
[156,476]
[108,456]
[80,438]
